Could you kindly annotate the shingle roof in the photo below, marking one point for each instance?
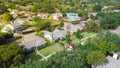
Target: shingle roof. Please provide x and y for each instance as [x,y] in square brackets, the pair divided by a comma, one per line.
[32,41]
[56,34]
[72,28]
[21,20]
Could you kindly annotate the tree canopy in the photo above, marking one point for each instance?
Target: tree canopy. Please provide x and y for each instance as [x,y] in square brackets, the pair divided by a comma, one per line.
[6,16]
[110,20]
[10,56]
[96,58]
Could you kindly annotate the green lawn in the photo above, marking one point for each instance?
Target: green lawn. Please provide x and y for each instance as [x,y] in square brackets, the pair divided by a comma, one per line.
[87,34]
[50,49]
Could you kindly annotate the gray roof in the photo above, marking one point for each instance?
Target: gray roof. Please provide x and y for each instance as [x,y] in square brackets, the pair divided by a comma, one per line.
[21,20]
[18,22]
[60,33]
[56,34]
[73,28]
[33,41]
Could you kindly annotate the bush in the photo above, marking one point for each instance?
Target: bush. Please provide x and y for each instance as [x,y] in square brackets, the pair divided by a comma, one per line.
[5,36]
[41,34]
[6,16]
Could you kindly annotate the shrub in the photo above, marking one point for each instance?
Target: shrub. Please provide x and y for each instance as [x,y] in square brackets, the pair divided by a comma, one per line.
[5,36]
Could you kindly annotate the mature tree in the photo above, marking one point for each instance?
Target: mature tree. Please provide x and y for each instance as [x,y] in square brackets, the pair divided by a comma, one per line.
[34,9]
[83,14]
[11,6]
[4,37]
[3,8]
[110,20]
[78,34]
[97,8]
[62,59]
[68,38]
[93,26]
[61,24]
[107,47]
[41,24]
[95,58]
[111,37]
[10,56]
[6,16]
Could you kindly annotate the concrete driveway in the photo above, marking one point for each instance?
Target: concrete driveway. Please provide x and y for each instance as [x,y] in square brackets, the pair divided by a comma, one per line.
[112,63]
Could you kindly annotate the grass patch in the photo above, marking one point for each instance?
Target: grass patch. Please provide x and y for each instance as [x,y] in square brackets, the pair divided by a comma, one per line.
[50,49]
[87,34]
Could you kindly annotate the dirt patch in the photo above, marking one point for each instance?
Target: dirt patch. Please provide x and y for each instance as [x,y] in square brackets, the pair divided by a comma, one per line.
[58,48]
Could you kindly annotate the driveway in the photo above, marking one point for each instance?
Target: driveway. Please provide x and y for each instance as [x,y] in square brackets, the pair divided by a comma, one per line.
[112,63]
[117,30]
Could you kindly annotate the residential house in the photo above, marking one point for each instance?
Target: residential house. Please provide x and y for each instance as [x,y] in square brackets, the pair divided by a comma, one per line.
[55,35]
[73,28]
[92,13]
[16,13]
[32,41]
[17,24]
[30,15]
[43,15]
[57,16]
[73,17]
[21,20]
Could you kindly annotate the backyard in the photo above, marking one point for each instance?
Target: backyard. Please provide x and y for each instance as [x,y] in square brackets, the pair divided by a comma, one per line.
[51,49]
[54,47]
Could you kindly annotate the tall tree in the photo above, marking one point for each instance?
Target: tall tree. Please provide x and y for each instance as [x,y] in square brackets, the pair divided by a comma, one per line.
[10,56]
[78,34]
[97,8]
[6,16]
[95,58]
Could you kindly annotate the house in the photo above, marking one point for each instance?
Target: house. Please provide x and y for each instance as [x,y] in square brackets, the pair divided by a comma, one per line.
[57,16]
[7,28]
[14,13]
[43,15]
[21,20]
[28,14]
[17,24]
[73,17]
[31,41]
[73,28]
[55,35]
[92,13]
